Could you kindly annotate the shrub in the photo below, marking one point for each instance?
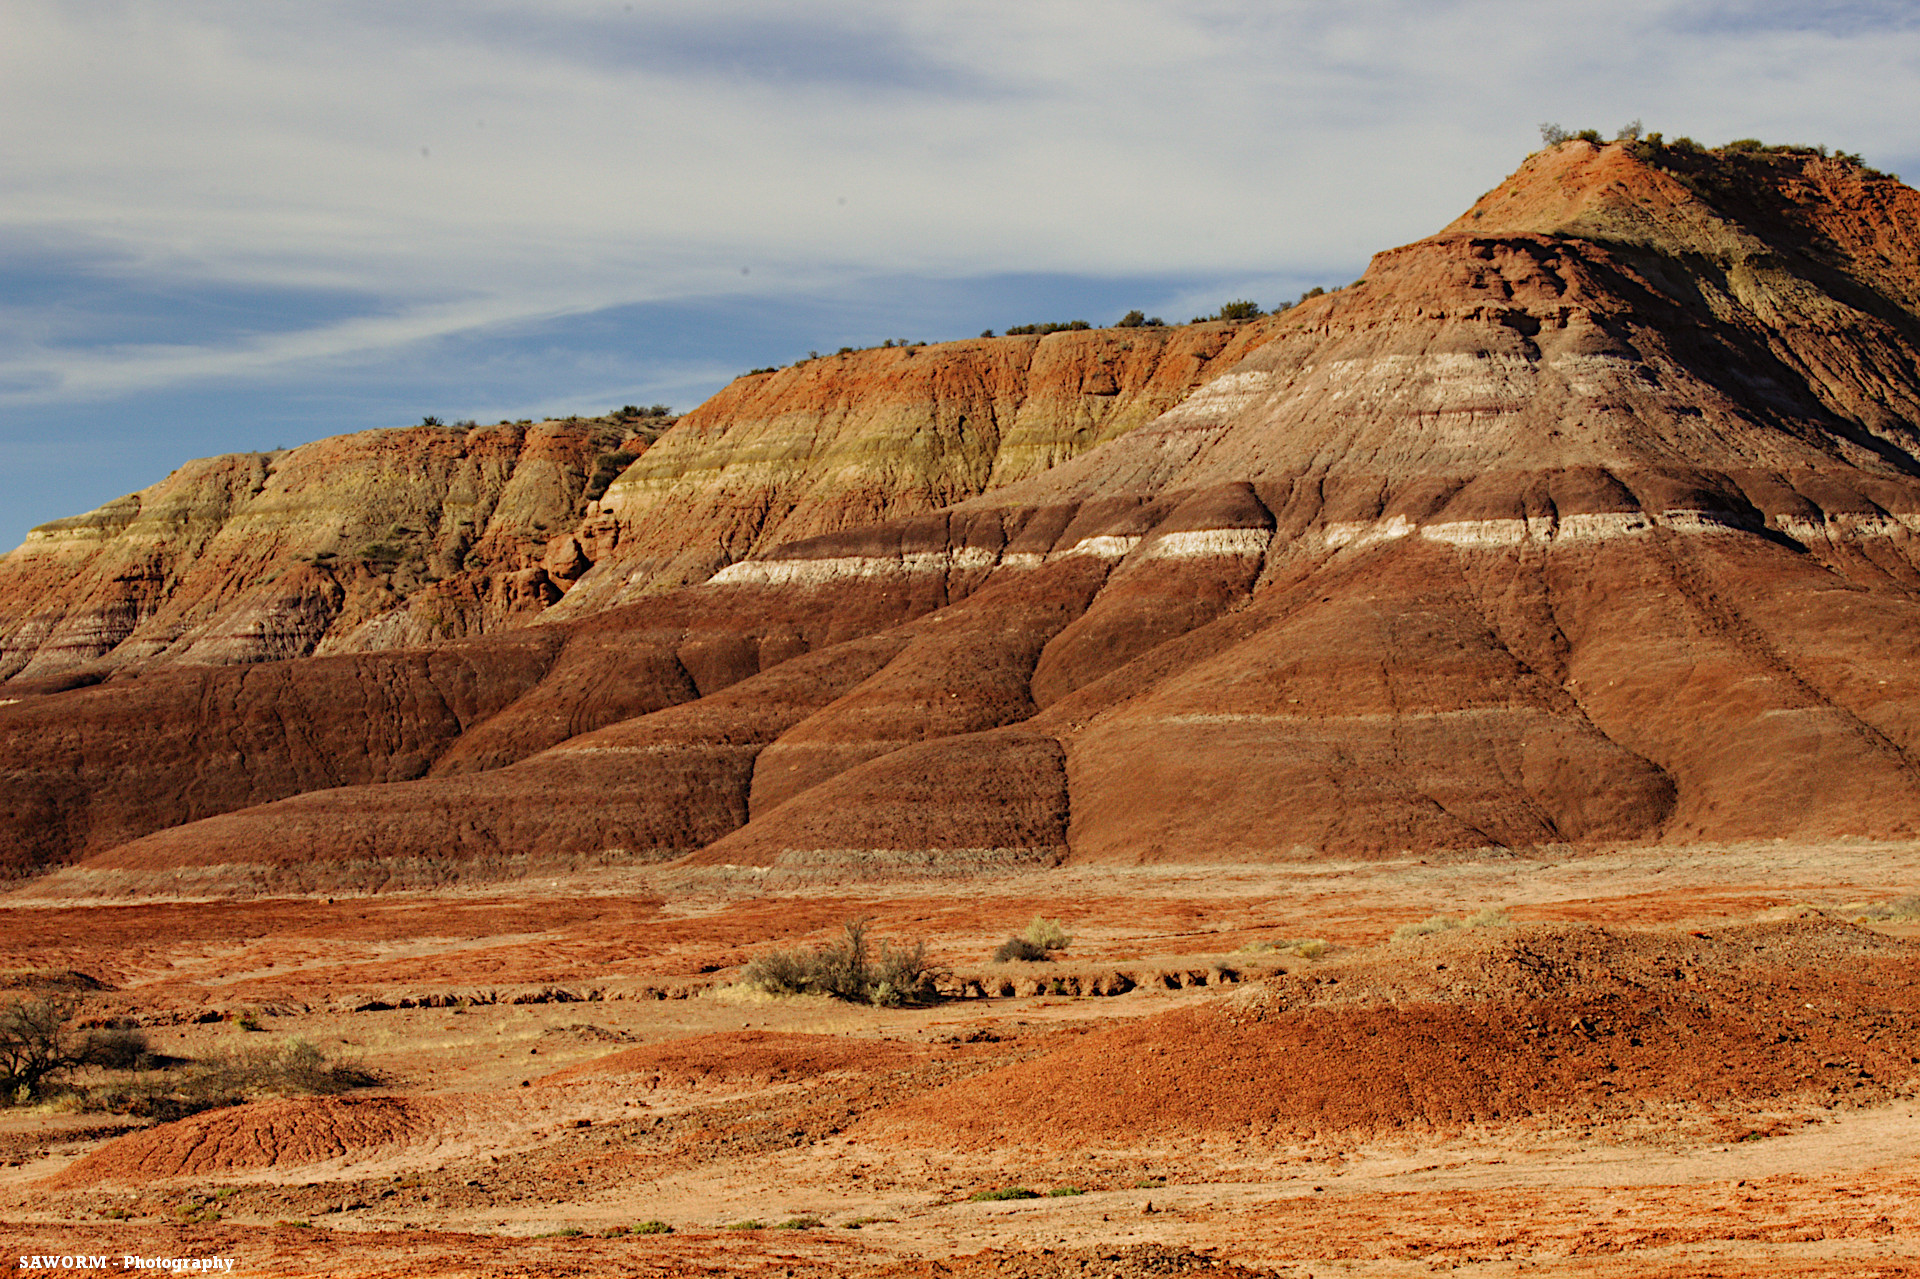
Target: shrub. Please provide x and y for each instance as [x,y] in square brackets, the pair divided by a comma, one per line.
[986,333]
[995,1196]
[1629,132]
[846,969]
[651,1228]
[606,469]
[1047,933]
[1745,144]
[1131,320]
[1064,1192]
[1239,309]
[749,1224]
[1019,949]
[1071,326]
[1041,937]
[1553,135]
[430,420]
[801,1223]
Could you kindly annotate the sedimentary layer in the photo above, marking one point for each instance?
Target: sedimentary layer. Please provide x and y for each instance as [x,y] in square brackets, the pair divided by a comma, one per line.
[1545,533]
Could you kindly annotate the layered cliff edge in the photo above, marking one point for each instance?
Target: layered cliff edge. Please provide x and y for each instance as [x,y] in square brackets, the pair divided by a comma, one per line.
[1590,519]
[397,538]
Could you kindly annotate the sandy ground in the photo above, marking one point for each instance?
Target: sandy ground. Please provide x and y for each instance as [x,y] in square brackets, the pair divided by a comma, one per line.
[632,1084]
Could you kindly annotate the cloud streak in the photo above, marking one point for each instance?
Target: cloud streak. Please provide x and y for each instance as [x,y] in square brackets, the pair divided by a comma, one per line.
[320,189]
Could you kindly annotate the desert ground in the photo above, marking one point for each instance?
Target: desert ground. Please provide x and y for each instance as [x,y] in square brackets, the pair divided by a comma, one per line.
[1657,1062]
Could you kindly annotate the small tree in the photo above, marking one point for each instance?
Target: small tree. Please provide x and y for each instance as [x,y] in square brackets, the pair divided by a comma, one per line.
[36,1042]
[1131,320]
[1241,309]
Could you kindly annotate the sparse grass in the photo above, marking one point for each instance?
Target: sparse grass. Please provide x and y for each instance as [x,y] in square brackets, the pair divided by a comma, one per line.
[1309,948]
[1007,1192]
[1899,908]
[749,1224]
[1064,1192]
[292,1068]
[1490,917]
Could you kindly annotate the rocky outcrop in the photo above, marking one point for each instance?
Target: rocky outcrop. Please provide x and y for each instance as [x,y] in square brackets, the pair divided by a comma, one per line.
[849,440]
[375,540]
[1588,520]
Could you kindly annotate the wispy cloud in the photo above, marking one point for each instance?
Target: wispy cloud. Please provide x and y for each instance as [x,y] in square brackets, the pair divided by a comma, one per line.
[206,192]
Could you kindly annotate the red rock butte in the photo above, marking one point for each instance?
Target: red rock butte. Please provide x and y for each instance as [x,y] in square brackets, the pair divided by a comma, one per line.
[1588,520]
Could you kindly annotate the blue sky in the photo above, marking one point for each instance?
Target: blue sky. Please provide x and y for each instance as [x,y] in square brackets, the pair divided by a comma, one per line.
[234,225]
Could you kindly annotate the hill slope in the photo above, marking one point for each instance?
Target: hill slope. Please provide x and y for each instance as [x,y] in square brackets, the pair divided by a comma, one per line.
[1587,519]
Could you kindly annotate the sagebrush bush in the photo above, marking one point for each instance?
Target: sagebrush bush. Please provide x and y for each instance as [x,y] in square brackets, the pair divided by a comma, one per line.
[1040,938]
[846,969]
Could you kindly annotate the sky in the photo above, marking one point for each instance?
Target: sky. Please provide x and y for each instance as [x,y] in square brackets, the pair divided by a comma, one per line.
[230,226]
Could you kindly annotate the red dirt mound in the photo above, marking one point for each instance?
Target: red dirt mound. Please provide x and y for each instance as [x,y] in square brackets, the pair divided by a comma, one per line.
[742,1057]
[267,1134]
[1487,1025]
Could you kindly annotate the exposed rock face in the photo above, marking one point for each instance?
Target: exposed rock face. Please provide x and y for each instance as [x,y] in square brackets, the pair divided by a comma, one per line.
[846,441]
[374,540]
[1589,519]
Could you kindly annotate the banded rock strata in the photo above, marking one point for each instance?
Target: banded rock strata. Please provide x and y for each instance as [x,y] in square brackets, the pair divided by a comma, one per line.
[1587,520]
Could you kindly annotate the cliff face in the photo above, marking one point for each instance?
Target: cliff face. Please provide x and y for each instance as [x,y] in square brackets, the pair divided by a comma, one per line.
[848,440]
[361,541]
[1591,519]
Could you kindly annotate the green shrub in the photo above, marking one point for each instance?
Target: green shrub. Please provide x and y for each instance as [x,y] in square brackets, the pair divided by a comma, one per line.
[651,1228]
[801,1223]
[749,1224]
[1064,1192]
[1040,938]
[1239,309]
[846,969]
[1071,326]
[606,469]
[1047,933]
[1131,320]
[994,1196]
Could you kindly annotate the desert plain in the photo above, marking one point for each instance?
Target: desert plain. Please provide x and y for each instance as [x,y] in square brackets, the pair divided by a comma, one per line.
[1582,1088]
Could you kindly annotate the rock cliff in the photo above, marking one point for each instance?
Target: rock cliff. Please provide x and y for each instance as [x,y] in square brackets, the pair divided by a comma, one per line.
[363,541]
[1588,520]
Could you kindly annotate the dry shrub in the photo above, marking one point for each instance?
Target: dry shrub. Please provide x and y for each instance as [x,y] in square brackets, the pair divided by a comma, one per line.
[846,969]
[1040,939]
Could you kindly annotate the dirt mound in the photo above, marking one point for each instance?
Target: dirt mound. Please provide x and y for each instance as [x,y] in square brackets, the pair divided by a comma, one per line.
[267,1134]
[741,1057]
[1141,1261]
[1494,1025]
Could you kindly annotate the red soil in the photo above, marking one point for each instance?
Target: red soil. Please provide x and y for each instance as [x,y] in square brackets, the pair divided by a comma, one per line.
[267,1134]
[1484,1026]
